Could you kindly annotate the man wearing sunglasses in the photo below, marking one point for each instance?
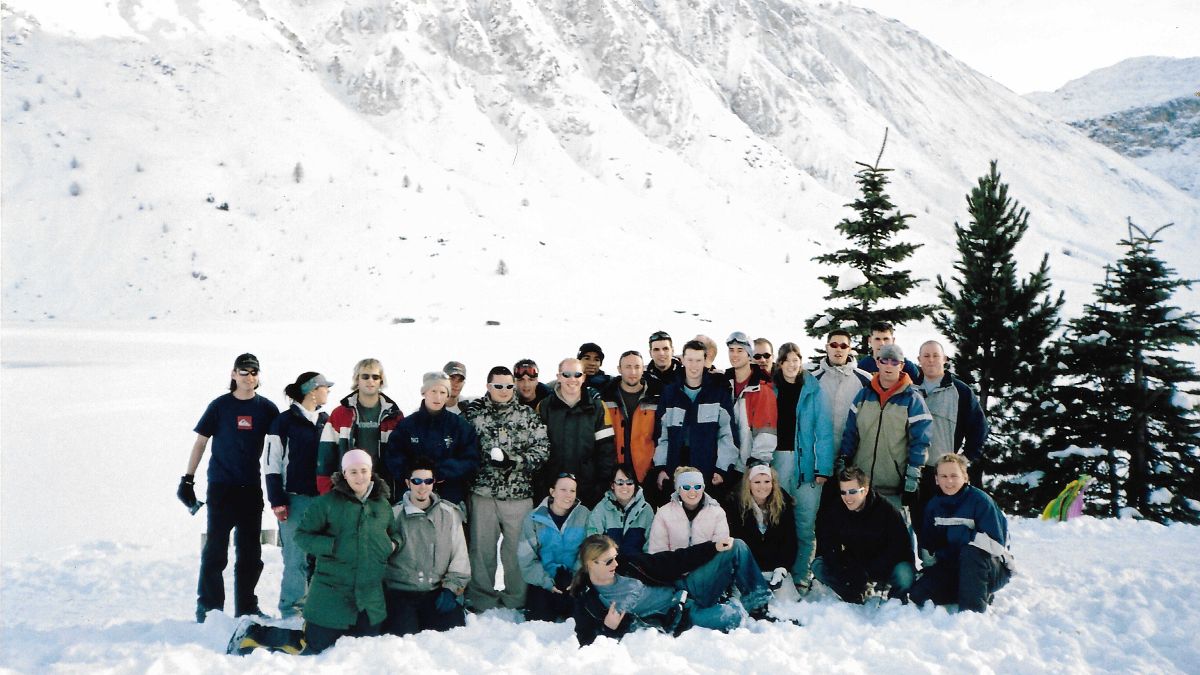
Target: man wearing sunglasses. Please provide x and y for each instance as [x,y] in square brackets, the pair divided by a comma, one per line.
[581,439]
[862,540]
[664,366]
[364,420]
[514,447]
[530,391]
[840,378]
[237,423]
[764,356]
[887,431]
[884,333]
[428,572]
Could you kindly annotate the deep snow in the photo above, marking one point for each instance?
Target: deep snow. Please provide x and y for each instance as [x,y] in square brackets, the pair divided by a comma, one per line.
[98,561]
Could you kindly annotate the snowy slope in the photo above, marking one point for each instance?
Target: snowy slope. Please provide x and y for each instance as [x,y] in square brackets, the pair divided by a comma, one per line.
[1147,109]
[98,561]
[436,139]
[1133,83]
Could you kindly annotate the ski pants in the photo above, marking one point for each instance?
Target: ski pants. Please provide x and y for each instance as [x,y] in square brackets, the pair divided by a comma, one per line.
[970,582]
[236,508]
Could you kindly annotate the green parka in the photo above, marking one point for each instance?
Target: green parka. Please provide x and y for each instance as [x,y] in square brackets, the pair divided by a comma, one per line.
[351,540]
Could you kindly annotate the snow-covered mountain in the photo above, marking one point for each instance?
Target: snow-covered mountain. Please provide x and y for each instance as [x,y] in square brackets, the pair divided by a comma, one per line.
[1147,109]
[276,158]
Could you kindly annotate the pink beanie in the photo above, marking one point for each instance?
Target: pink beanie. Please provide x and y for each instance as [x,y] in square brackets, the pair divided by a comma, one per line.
[356,458]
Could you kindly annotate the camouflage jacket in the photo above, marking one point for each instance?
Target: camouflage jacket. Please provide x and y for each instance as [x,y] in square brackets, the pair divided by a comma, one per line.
[519,433]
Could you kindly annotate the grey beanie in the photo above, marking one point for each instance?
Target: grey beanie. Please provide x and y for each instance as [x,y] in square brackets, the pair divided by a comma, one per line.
[891,351]
[435,378]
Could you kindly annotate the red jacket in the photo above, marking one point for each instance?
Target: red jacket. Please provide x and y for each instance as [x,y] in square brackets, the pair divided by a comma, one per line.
[755,418]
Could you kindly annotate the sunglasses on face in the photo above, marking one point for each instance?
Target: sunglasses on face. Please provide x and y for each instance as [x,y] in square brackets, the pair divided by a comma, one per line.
[500,385]
[422,481]
[621,482]
[839,345]
[763,357]
[370,376]
[609,561]
[248,372]
[689,488]
[572,376]
[888,362]
[853,491]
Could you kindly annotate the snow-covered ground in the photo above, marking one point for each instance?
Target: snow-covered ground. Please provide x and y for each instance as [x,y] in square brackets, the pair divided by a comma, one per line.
[98,561]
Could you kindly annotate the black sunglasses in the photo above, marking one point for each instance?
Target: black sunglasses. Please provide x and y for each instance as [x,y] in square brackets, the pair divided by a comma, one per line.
[248,372]
[766,355]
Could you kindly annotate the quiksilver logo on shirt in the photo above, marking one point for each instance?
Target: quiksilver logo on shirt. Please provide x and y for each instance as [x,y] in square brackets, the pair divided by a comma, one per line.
[245,423]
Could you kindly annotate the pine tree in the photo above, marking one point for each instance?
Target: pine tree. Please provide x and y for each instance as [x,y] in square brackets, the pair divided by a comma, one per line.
[1129,420]
[869,271]
[1001,327]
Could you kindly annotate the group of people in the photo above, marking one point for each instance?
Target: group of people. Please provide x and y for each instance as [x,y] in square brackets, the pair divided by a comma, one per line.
[672,494]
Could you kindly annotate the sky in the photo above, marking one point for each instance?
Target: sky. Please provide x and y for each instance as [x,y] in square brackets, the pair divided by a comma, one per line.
[1040,45]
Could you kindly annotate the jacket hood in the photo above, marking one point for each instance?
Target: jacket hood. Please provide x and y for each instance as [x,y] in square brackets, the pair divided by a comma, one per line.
[638,499]
[379,489]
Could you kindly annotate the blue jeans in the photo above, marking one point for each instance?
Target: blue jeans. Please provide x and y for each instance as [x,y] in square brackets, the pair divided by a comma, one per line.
[706,583]
[294,588]
[807,500]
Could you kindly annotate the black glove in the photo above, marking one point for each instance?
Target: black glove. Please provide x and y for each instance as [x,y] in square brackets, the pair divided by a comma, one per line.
[446,601]
[506,463]
[187,493]
[839,464]
[562,579]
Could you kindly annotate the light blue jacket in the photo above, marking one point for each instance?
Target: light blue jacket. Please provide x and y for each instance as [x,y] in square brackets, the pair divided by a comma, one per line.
[814,432]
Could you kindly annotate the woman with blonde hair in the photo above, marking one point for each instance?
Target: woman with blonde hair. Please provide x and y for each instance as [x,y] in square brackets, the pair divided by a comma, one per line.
[761,514]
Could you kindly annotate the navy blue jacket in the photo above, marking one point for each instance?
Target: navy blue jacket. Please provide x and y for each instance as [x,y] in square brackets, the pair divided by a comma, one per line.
[290,461]
[448,439]
[969,518]
[704,427]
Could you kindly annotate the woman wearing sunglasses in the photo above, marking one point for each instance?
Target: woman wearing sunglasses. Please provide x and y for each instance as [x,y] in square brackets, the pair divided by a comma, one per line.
[862,540]
[290,469]
[670,591]
[623,514]
[691,517]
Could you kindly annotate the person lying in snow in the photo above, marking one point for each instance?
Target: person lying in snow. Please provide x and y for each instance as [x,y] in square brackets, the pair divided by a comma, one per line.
[651,590]
[963,542]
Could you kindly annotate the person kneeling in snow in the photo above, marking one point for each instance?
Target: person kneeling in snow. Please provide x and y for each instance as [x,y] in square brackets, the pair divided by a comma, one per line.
[862,539]
[351,532]
[428,573]
[650,590]
[963,542]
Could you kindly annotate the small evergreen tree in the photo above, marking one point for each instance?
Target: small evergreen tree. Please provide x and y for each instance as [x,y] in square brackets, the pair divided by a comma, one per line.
[1001,327]
[1128,418]
[873,259]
